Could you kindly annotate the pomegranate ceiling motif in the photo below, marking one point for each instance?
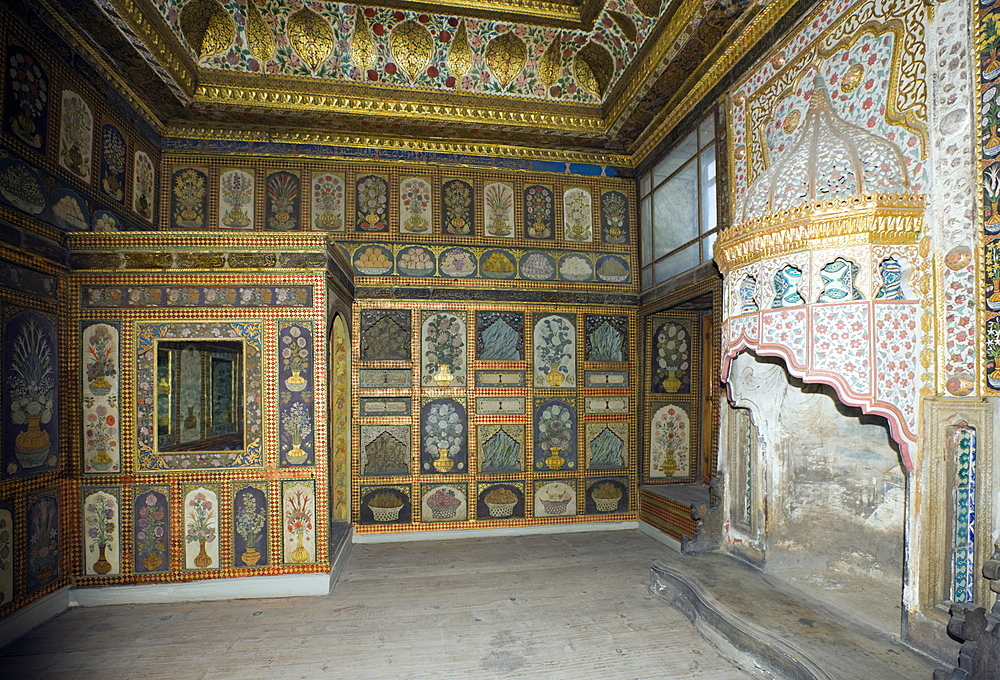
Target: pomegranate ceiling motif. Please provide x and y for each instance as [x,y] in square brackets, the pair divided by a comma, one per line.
[414,48]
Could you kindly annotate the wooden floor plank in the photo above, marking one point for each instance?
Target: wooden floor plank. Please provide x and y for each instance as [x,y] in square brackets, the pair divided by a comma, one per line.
[565,606]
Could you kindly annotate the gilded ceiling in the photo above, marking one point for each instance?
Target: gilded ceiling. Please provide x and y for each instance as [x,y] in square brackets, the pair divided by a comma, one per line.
[579,77]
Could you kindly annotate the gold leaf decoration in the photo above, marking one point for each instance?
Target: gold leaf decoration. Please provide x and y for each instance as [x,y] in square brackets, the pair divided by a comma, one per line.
[260,40]
[550,63]
[625,23]
[460,54]
[412,47]
[593,68]
[651,8]
[362,43]
[506,57]
[311,37]
[207,28]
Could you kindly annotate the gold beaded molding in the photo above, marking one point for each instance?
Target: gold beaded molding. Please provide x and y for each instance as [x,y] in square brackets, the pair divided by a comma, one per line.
[875,218]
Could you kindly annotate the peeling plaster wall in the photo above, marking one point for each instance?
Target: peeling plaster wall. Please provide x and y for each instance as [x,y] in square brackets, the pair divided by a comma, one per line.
[836,489]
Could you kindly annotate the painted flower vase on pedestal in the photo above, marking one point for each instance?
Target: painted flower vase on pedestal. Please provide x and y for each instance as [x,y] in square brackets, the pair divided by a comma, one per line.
[555,461]
[296,383]
[152,561]
[443,463]
[250,557]
[32,445]
[443,377]
[300,554]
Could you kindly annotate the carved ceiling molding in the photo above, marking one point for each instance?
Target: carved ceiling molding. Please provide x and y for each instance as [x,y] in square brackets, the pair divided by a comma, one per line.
[409,144]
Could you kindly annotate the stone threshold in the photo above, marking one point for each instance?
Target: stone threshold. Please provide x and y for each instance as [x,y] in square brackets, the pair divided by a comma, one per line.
[764,626]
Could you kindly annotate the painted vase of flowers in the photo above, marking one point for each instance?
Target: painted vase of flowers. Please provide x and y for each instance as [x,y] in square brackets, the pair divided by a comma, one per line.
[443,430]
[298,424]
[298,521]
[250,526]
[101,528]
[31,393]
[554,428]
[101,364]
[151,535]
[671,355]
[444,348]
[200,528]
[100,435]
[552,348]
[295,357]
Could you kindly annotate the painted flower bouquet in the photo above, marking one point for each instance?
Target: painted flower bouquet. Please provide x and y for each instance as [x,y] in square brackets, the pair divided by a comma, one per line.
[200,514]
[100,528]
[443,430]
[100,433]
[32,382]
[554,427]
[298,522]
[297,422]
[445,345]
[150,539]
[551,347]
[250,526]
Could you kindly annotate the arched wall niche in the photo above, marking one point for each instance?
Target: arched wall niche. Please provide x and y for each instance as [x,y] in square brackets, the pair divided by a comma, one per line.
[833,485]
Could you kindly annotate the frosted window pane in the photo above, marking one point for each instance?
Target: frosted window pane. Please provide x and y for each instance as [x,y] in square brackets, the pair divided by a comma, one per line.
[675,212]
[707,129]
[646,227]
[709,214]
[677,263]
[681,154]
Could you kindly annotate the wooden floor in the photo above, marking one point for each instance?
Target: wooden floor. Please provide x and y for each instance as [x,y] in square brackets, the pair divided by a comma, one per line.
[561,606]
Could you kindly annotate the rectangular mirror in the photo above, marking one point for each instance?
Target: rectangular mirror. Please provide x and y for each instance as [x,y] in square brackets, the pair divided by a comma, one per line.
[199,395]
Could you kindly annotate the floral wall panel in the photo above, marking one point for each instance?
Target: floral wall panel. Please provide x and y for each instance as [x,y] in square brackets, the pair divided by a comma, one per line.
[282,200]
[578,220]
[189,198]
[555,434]
[458,208]
[43,544]
[341,420]
[672,351]
[114,153]
[26,97]
[76,135]
[236,199]
[539,212]
[143,186]
[295,396]
[670,441]
[328,202]
[371,200]
[443,349]
[606,338]
[498,205]
[607,445]
[385,335]
[383,505]
[6,552]
[615,227]
[444,433]
[151,527]
[607,495]
[554,498]
[415,215]
[500,501]
[102,544]
[31,398]
[201,528]
[385,450]
[299,513]
[554,350]
[250,526]
[499,336]
[100,361]
[501,448]
[444,503]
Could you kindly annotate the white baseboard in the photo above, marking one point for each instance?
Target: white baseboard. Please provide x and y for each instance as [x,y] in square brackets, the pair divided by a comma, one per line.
[655,533]
[31,615]
[490,533]
[283,585]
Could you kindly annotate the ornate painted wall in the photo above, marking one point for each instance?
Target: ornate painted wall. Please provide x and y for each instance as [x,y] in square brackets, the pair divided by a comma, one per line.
[222,345]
